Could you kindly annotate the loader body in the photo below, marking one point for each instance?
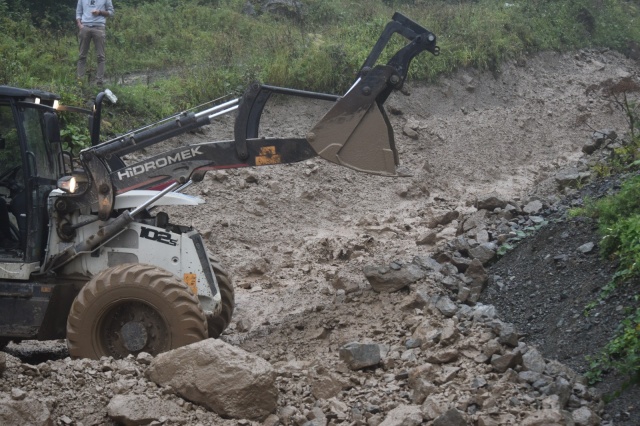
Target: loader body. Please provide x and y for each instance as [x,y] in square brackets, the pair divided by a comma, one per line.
[87,253]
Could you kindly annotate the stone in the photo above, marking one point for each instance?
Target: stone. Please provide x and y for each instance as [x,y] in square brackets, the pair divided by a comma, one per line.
[546,417]
[410,133]
[586,248]
[583,416]
[533,361]
[388,280]
[491,201]
[476,272]
[452,417]
[443,356]
[502,363]
[24,412]
[342,281]
[200,373]
[360,355]
[446,306]
[443,219]
[131,410]
[327,386]
[428,239]
[403,415]
[532,207]
[484,252]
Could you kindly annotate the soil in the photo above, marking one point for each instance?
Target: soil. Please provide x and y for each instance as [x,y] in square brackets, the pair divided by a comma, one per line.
[508,132]
[287,233]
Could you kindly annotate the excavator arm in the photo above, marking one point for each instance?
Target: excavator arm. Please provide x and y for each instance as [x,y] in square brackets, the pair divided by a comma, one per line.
[355,132]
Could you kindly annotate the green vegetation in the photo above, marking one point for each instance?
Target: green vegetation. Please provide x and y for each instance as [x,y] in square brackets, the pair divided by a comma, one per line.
[618,219]
[204,49]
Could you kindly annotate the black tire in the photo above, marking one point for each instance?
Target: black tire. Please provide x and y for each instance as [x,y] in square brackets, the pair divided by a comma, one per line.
[133,308]
[218,323]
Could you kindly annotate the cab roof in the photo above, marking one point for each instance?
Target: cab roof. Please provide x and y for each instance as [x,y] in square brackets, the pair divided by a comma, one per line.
[20,94]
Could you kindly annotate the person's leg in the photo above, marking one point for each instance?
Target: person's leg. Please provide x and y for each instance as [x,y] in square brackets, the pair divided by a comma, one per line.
[99,40]
[84,41]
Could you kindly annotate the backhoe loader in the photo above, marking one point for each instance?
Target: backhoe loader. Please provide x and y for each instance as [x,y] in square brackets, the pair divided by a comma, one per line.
[86,255]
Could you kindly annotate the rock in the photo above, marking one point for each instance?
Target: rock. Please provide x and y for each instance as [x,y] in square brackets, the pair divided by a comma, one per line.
[533,361]
[586,248]
[144,358]
[409,132]
[583,416]
[343,281]
[427,239]
[327,386]
[502,363]
[18,394]
[24,412]
[477,220]
[443,219]
[570,179]
[452,417]
[403,415]
[476,273]
[3,362]
[601,137]
[360,355]
[491,201]
[316,417]
[445,306]
[544,418]
[443,356]
[484,252]
[201,373]
[507,334]
[131,410]
[532,207]
[388,280]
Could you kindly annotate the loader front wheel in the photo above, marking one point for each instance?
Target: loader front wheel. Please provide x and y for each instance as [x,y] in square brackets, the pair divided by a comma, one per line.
[133,308]
[218,323]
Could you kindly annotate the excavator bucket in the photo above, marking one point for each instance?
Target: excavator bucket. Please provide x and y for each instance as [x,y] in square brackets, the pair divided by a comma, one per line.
[361,141]
[356,132]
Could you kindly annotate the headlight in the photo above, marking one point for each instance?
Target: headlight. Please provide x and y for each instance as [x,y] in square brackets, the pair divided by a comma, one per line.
[68,184]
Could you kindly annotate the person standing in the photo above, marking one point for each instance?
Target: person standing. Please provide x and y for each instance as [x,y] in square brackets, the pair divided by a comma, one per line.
[91,18]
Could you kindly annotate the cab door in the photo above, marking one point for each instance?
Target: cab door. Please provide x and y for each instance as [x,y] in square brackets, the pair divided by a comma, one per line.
[42,161]
[32,165]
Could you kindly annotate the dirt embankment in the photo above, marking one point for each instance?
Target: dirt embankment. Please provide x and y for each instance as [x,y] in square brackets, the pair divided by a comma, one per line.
[296,238]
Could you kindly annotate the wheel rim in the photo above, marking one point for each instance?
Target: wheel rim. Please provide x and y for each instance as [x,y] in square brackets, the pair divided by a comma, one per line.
[130,327]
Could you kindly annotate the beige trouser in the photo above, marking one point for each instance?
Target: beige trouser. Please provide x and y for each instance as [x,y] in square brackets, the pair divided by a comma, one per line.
[98,35]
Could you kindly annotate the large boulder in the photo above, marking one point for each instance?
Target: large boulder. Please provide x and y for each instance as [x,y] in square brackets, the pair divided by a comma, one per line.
[226,379]
[393,278]
[26,411]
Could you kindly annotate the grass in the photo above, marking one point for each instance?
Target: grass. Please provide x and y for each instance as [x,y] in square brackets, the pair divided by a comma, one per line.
[206,49]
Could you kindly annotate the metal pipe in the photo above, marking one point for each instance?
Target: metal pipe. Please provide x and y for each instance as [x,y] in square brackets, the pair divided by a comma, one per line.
[233,108]
[301,93]
[218,107]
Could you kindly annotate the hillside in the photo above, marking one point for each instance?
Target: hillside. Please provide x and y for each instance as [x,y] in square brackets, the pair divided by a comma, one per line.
[297,238]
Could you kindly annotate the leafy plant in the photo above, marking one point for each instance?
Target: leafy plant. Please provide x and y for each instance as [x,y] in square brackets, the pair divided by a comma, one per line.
[622,353]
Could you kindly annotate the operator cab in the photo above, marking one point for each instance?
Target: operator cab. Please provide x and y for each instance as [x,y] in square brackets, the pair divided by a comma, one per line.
[30,164]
